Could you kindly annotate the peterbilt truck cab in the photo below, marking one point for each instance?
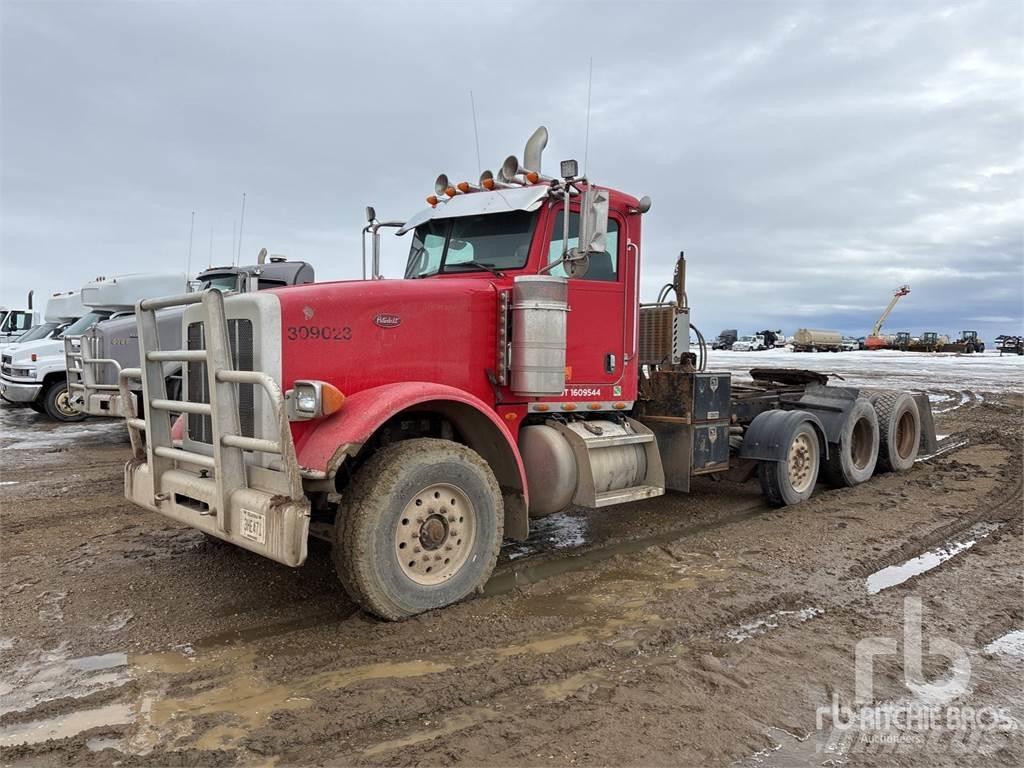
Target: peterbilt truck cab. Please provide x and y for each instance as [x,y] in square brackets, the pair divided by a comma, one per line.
[96,359]
[513,372]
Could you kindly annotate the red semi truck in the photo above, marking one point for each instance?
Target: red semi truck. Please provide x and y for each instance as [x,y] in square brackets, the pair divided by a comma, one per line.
[513,372]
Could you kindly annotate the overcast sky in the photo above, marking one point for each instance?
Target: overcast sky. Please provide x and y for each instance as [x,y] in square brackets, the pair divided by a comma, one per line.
[809,157]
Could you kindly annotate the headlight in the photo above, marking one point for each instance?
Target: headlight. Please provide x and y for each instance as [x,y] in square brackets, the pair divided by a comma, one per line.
[23,372]
[313,399]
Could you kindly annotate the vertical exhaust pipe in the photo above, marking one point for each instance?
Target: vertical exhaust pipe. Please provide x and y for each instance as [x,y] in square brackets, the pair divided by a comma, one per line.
[30,295]
[534,149]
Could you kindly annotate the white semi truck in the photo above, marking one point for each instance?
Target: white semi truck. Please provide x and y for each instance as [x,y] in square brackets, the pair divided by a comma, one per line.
[34,374]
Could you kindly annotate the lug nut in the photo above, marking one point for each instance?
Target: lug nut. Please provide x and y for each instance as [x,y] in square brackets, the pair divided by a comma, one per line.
[416,550]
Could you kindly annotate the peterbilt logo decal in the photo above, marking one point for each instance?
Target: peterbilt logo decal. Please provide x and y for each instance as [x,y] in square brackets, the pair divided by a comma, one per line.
[387,321]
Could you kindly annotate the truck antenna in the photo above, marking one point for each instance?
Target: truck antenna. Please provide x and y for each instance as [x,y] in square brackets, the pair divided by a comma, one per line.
[191,231]
[241,227]
[234,239]
[476,134]
[586,141]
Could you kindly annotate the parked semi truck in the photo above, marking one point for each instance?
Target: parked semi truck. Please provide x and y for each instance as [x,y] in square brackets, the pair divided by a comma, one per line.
[38,375]
[415,423]
[811,340]
[725,339]
[95,360]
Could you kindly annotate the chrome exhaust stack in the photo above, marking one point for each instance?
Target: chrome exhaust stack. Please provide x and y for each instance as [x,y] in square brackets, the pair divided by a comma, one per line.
[534,149]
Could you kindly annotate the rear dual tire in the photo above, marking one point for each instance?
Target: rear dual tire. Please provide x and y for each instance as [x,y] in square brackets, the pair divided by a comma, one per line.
[899,430]
[851,461]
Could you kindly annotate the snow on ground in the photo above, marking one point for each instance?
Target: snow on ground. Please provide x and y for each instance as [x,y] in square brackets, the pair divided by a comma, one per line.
[22,428]
[987,372]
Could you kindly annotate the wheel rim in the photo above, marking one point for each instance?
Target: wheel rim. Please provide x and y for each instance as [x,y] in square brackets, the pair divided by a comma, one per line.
[861,443]
[905,435]
[803,457]
[63,403]
[434,537]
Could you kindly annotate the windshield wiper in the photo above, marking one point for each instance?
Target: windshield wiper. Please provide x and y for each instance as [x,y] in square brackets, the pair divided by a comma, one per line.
[489,267]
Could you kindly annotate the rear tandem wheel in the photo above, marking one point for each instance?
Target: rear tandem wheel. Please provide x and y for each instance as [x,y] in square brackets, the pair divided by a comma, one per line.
[792,479]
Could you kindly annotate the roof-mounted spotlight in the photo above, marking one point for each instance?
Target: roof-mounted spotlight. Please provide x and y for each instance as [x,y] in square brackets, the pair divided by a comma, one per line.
[441,184]
[569,169]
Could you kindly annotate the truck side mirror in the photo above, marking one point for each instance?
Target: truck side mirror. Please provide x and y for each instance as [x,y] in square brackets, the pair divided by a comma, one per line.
[593,221]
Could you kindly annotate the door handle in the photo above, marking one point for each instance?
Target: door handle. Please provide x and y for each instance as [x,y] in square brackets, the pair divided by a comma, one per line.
[609,363]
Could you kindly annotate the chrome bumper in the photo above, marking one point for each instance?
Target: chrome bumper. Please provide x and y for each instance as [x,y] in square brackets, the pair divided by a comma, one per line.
[18,391]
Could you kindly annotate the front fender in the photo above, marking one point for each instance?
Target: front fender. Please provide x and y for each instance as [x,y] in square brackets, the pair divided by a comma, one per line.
[322,449]
[764,437]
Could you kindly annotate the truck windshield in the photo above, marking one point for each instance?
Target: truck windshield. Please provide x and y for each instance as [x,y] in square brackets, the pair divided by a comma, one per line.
[482,243]
[220,282]
[84,323]
[38,332]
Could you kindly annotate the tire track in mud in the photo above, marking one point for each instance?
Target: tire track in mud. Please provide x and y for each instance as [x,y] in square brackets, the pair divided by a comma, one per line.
[377,718]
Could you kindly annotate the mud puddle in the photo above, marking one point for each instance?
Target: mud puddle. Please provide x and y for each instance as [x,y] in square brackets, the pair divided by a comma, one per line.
[772,621]
[512,577]
[50,675]
[897,574]
[1010,644]
[559,531]
[65,726]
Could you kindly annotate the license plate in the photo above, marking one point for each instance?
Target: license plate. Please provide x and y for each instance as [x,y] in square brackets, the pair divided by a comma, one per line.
[254,526]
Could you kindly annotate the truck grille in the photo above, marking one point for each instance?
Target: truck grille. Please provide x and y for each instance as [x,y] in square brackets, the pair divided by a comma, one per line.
[240,338]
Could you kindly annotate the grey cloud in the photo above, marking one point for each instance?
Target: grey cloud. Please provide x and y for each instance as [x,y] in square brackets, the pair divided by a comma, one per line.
[809,157]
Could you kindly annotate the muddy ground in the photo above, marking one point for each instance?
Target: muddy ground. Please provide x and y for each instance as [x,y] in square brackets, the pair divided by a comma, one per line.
[686,630]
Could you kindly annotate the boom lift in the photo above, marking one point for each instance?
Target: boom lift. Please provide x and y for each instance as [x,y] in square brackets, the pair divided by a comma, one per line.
[416,423]
[875,340]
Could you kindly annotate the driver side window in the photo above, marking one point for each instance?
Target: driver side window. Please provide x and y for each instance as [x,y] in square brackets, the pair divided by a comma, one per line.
[603,266]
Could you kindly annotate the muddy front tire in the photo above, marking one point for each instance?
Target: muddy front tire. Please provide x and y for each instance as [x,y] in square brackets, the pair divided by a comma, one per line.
[792,479]
[57,403]
[420,528]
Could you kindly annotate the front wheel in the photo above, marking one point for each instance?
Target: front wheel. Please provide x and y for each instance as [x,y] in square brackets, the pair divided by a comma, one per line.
[792,479]
[419,528]
[57,403]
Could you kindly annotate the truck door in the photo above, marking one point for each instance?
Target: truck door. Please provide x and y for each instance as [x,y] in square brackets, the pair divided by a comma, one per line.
[596,324]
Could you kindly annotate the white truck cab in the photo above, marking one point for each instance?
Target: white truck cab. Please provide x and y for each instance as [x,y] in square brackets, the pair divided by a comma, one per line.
[749,344]
[32,368]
